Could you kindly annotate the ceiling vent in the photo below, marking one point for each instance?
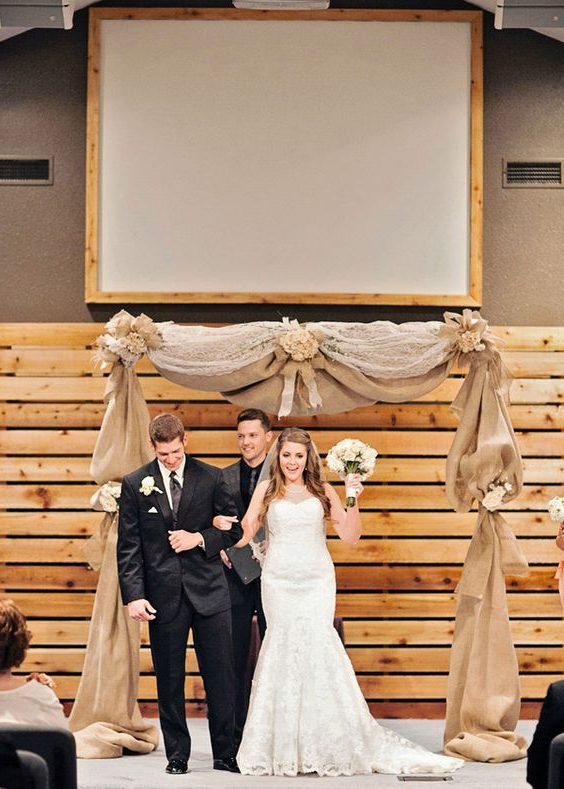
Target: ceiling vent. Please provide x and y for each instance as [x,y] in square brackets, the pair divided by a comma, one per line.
[532,173]
[26,171]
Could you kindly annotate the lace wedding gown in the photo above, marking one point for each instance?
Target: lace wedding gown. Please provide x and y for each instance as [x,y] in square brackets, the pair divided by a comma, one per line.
[307,713]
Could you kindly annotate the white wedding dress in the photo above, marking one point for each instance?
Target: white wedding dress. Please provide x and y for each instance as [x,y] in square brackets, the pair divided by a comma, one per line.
[307,713]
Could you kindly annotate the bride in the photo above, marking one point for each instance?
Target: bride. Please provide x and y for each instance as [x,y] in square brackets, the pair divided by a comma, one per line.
[307,713]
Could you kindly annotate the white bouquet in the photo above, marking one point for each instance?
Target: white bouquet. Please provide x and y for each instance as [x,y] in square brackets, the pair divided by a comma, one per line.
[556,509]
[351,456]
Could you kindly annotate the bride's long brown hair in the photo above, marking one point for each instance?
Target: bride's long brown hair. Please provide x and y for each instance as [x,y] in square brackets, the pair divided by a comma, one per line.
[312,471]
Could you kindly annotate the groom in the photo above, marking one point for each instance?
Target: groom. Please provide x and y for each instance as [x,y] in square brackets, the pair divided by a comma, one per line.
[171,576]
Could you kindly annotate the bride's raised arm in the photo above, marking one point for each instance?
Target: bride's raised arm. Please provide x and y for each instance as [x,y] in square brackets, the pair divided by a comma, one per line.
[251,522]
[345,522]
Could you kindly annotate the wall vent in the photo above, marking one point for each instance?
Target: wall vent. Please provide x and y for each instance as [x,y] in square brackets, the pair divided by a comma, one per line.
[533,173]
[26,171]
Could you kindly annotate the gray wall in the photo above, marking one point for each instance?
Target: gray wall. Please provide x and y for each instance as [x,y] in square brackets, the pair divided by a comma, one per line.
[42,111]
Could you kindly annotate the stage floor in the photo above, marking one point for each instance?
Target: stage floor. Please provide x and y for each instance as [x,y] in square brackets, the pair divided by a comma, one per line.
[147,772]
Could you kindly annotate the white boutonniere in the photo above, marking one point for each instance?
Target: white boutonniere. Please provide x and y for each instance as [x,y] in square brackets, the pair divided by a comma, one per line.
[148,486]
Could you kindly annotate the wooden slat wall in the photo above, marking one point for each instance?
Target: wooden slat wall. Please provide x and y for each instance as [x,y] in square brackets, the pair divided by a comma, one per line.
[396,587]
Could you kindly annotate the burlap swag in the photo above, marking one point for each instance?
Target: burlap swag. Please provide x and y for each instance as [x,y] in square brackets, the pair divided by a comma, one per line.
[286,368]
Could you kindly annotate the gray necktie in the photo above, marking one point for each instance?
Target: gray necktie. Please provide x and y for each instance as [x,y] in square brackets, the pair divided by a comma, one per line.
[175,493]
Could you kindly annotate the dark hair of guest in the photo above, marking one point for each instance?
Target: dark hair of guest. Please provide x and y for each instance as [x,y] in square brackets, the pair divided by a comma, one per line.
[14,635]
[255,413]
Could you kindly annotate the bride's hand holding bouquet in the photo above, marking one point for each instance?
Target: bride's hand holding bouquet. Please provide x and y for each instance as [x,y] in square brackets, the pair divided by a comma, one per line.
[353,461]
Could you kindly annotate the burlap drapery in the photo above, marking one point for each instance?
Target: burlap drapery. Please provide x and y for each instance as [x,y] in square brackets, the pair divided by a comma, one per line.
[105,716]
[334,367]
[483,687]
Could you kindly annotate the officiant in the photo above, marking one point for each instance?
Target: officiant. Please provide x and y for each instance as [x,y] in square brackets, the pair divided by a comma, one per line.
[254,434]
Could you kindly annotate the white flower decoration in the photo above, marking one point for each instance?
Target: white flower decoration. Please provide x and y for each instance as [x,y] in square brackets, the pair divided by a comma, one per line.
[148,486]
[109,496]
[470,341]
[556,509]
[126,340]
[467,332]
[496,493]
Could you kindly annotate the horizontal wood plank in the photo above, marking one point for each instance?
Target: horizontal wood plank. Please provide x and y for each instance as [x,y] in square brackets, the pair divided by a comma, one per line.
[37,523]
[349,604]
[402,660]
[358,632]
[387,497]
[404,686]
[213,415]
[428,578]
[367,551]
[389,469]
[216,442]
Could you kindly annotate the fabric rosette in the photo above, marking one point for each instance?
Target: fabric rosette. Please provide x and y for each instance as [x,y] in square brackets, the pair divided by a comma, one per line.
[467,333]
[351,456]
[497,491]
[126,339]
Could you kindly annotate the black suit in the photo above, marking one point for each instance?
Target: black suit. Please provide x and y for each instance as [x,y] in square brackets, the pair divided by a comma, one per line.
[245,601]
[188,590]
[551,723]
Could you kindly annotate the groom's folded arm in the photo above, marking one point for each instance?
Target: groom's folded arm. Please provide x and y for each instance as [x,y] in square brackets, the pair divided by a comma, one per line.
[129,551]
[216,540]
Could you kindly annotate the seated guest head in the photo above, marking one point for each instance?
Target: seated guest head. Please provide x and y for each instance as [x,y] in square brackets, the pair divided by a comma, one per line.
[14,636]
[29,699]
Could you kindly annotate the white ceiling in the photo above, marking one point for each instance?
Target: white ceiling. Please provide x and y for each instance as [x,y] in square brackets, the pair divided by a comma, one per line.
[487,5]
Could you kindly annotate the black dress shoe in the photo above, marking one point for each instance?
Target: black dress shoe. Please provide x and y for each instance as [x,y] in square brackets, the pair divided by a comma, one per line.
[229,764]
[177,767]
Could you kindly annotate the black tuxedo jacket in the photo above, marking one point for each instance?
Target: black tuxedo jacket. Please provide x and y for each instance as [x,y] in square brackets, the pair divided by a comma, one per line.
[147,565]
[551,723]
[232,476]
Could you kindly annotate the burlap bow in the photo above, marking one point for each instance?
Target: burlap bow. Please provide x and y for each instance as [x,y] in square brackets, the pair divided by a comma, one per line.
[294,344]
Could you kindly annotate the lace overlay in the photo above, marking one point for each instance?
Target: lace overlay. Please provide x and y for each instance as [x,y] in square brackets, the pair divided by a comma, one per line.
[307,713]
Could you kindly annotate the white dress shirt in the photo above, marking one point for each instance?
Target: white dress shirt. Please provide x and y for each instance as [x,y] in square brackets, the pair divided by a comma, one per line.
[165,474]
[179,474]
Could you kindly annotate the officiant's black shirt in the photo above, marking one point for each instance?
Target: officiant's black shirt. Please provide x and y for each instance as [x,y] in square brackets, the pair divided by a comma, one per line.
[245,476]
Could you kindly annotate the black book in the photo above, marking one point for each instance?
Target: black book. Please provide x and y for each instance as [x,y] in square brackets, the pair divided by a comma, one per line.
[244,564]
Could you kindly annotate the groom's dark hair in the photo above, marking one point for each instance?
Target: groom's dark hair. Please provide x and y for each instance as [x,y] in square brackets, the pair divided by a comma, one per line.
[165,428]
[255,413]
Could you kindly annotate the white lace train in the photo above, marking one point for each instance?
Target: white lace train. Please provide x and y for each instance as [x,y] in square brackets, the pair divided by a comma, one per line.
[307,713]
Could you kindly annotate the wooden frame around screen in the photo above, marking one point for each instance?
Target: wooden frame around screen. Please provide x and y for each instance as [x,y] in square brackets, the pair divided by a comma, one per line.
[474,295]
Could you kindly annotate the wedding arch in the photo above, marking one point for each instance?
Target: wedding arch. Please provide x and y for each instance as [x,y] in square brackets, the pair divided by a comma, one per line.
[291,369]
